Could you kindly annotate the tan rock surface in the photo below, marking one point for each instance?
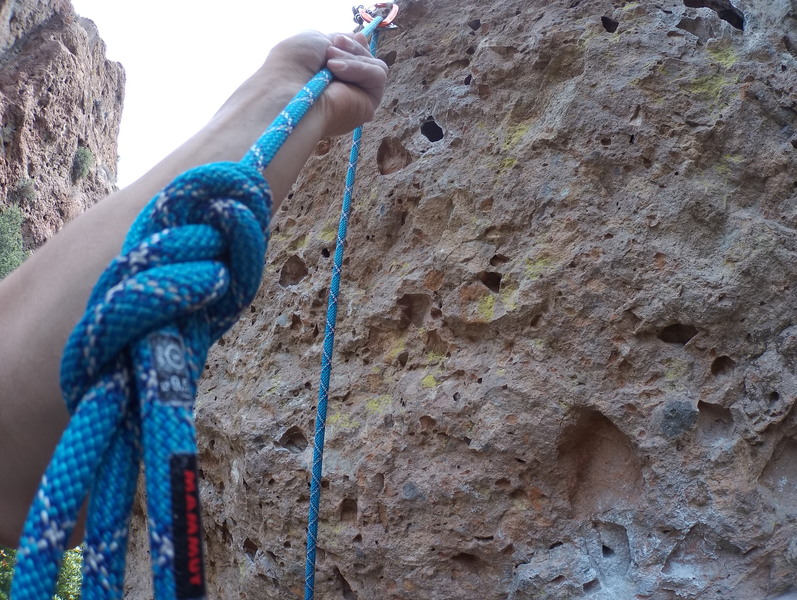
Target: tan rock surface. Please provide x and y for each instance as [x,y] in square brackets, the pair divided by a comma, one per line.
[566,352]
[58,93]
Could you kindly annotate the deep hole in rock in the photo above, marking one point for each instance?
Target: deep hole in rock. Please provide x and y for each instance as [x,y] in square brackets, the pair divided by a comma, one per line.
[592,586]
[724,9]
[293,271]
[392,156]
[475,24]
[432,131]
[325,253]
[714,422]
[250,548]
[467,561]
[677,333]
[348,510]
[498,259]
[414,308]
[402,358]
[598,463]
[721,365]
[789,45]
[296,323]
[293,440]
[491,279]
[389,58]
[610,25]
[468,79]
[606,551]
[345,588]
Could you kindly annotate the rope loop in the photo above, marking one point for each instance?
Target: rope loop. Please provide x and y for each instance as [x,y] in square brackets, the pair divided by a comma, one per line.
[190,264]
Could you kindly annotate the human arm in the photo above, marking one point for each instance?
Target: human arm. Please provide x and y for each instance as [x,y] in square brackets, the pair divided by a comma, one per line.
[41,302]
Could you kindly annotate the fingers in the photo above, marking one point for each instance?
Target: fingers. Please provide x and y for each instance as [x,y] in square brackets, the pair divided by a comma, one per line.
[354,44]
[349,60]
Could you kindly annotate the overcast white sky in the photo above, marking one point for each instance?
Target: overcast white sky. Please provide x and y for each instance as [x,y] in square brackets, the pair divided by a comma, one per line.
[183,58]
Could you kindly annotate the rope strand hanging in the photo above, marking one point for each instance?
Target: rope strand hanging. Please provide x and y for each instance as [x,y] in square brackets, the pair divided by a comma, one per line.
[191,262]
[326,359]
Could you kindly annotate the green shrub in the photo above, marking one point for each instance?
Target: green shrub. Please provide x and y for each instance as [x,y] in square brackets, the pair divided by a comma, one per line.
[69,578]
[12,252]
[24,191]
[7,559]
[82,164]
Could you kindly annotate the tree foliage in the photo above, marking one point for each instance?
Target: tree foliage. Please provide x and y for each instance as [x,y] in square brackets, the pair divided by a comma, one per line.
[12,252]
[68,586]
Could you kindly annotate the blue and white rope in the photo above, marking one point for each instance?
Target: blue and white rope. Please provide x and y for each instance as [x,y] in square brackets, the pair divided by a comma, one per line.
[326,359]
[189,265]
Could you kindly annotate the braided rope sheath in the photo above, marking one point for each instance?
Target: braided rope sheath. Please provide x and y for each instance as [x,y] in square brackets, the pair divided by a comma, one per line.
[326,360]
[190,263]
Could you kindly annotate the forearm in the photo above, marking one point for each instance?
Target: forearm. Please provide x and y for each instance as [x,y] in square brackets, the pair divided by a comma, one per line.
[41,302]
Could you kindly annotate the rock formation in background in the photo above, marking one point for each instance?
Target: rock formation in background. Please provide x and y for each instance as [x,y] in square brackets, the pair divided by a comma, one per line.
[60,106]
[566,353]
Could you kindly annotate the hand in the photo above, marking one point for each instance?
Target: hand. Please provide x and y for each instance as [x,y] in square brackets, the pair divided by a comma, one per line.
[352,97]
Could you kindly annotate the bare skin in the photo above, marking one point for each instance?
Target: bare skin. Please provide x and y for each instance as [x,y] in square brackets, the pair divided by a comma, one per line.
[42,301]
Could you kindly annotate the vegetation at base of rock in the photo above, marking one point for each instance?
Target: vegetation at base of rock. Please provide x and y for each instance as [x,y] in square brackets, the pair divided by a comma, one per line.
[24,191]
[68,586]
[12,252]
[83,163]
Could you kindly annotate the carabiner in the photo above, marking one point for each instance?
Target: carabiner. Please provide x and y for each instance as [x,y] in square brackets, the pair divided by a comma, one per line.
[386,10]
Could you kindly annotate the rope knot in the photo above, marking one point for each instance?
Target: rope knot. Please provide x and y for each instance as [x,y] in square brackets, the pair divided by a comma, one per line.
[195,254]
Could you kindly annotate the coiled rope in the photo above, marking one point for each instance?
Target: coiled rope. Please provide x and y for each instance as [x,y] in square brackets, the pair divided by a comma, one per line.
[190,264]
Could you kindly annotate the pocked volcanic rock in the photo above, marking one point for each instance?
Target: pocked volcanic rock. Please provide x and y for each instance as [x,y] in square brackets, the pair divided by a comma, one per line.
[565,362]
[60,107]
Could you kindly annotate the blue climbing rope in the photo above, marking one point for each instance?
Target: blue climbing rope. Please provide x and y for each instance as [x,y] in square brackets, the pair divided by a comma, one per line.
[190,264]
[326,360]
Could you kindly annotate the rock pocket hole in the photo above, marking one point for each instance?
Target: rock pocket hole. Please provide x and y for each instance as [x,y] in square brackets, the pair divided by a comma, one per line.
[592,586]
[468,561]
[677,333]
[432,131]
[250,549]
[414,308]
[293,271]
[498,260]
[389,58]
[714,422]
[348,510]
[392,156]
[293,440]
[724,9]
[475,24]
[607,552]
[490,279]
[722,365]
[345,588]
[610,25]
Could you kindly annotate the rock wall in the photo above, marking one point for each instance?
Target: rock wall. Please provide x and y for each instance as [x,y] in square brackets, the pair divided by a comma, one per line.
[60,106]
[566,354]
